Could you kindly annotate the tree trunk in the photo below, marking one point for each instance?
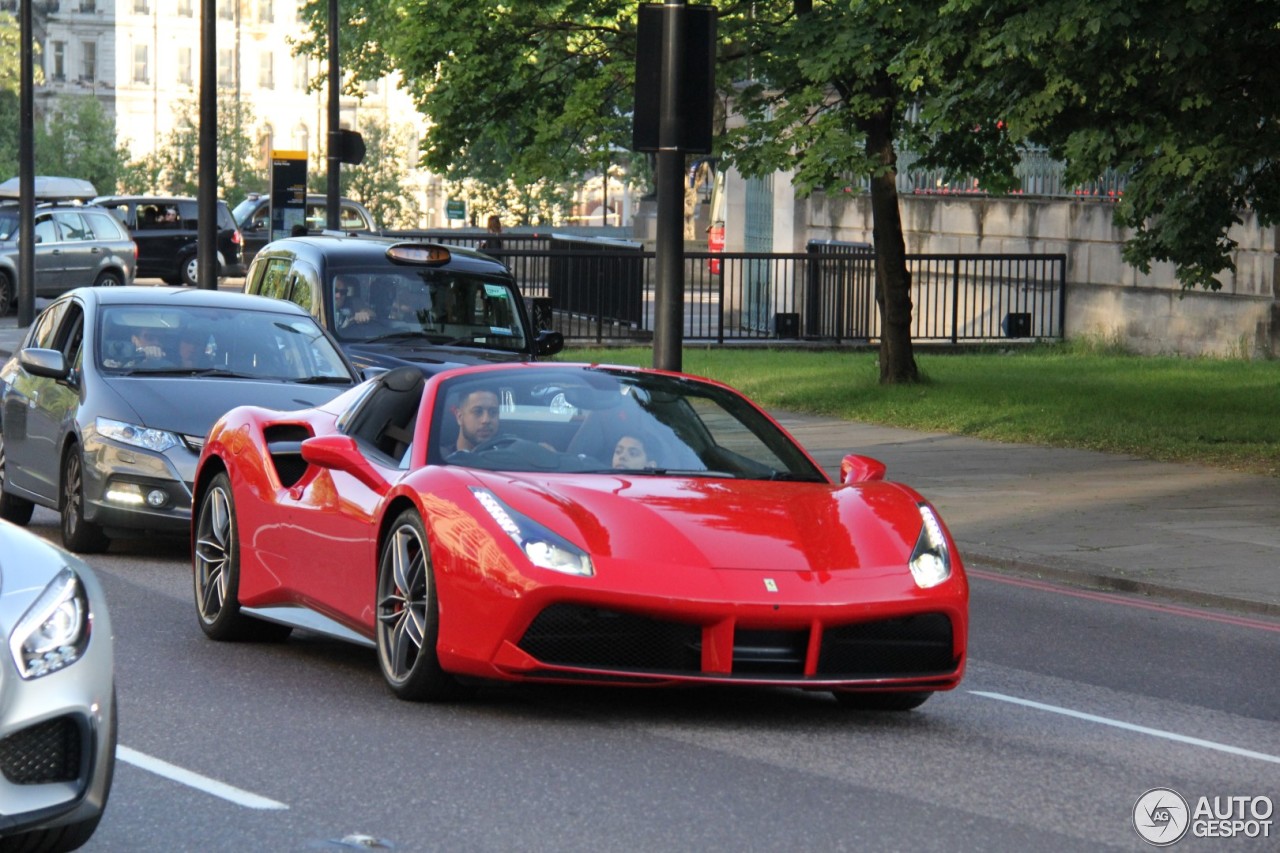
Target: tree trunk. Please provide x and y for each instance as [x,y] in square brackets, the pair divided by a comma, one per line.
[893,280]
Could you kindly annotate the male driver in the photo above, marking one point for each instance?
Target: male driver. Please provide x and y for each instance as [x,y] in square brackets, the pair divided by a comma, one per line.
[477,415]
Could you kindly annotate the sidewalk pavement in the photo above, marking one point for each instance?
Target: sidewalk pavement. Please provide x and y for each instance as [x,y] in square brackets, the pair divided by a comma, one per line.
[1197,535]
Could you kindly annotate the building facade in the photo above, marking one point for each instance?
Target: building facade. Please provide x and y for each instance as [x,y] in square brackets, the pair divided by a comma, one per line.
[141,59]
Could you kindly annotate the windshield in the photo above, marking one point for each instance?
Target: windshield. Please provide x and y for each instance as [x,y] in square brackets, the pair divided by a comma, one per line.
[199,341]
[609,421]
[434,305]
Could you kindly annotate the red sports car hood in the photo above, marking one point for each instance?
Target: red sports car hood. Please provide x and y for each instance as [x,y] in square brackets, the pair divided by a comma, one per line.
[737,524]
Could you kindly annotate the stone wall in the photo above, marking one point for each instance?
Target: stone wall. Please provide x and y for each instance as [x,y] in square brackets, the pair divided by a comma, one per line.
[1106,298]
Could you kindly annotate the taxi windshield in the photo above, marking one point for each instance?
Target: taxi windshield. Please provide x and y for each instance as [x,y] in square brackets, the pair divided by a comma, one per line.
[439,306]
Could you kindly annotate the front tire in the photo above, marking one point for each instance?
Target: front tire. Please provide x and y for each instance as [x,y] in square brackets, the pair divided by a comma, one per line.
[78,534]
[215,568]
[108,279]
[190,269]
[8,297]
[12,508]
[408,616]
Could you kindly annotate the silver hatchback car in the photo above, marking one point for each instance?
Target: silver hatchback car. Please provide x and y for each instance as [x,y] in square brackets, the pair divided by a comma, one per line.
[76,246]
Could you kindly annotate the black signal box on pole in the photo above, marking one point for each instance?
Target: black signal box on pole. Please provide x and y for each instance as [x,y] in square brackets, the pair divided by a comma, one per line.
[697,76]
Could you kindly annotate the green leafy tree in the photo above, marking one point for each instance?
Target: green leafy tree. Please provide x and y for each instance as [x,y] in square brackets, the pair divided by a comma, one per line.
[174,166]
[78,138]
[378,182]
[532,91]
[522,92]
[1181,97]
[10,90]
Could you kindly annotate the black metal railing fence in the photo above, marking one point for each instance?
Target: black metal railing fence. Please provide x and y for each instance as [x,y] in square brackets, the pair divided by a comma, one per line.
[603,290]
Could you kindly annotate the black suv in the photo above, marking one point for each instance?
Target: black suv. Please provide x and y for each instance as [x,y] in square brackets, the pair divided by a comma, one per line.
[75,246]
[391,303]
[253,216]
[165,229]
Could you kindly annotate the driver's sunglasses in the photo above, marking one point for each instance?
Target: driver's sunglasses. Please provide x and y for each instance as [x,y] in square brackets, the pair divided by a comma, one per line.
[343,291]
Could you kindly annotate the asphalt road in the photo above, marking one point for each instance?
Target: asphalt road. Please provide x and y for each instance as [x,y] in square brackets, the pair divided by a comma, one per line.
[1075,703]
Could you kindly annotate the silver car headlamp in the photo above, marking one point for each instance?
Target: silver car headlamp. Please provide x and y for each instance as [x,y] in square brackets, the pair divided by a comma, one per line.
[157,440]
[54,631]
[544,548]
[930,562]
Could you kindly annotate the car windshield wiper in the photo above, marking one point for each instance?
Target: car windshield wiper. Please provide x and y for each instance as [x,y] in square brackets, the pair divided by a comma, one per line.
[185,371]
[323,380]
[395,336]
[791,477]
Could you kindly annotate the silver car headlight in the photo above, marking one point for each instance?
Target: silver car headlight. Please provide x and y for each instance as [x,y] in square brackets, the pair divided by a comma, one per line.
[544,548]
[54,631]
[931,560]
[158,440]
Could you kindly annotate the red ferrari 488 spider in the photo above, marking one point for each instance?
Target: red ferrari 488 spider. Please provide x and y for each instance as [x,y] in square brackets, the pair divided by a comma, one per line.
[574,523]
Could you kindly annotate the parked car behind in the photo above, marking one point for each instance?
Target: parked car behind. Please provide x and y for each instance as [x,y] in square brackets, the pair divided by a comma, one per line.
[390,303]
[166,229]
[254,217]
[76,246]
[105,406]
[57,678]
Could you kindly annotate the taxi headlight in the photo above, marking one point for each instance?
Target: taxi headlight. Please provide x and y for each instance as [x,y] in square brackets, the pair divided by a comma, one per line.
[544,548]
[54,631]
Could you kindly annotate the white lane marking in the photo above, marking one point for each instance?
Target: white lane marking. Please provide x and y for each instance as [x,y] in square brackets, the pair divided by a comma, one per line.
[195,780]
[1106,721]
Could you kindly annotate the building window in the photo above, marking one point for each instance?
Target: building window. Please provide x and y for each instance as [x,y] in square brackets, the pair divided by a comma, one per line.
[371,87]
[58,61]
[184,65]
[88,5]
[265,13]
[266,71]
[140,64]
[226,69]
[142,7]
[89,62]
[226,10]
[184,8]
[301,138]
[301,73]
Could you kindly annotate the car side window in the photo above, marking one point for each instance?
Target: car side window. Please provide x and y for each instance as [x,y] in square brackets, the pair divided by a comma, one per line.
[45,230]
[104,227]
[300,292]
[274,281]
[72,226]
[43,334]
[351,220]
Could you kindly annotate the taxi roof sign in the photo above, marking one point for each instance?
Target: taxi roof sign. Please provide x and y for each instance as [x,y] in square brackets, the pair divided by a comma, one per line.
[418,253]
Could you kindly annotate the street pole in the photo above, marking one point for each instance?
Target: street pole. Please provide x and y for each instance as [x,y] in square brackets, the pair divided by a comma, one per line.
[26,174]
[668,327]
[207,179]
[334,152]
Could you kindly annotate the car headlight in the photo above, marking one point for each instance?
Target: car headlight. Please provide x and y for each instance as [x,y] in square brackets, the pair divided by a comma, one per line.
[54,631]
[158,440]
[931,560]
[544,548]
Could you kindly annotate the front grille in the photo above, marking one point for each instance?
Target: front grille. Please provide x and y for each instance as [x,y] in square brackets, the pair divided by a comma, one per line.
[769,652]
[912,646]
[571,635]
[43,753]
